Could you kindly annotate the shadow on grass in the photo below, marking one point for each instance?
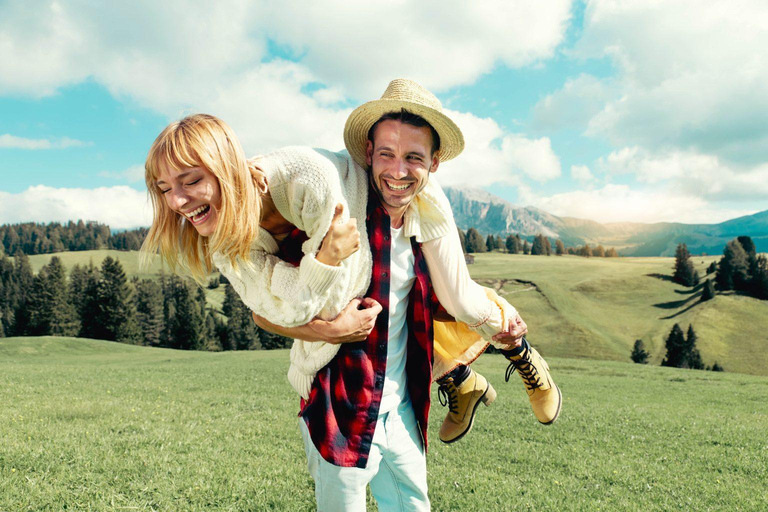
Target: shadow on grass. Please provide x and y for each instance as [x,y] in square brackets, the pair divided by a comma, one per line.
[691,290]
[663,277]
[696,303]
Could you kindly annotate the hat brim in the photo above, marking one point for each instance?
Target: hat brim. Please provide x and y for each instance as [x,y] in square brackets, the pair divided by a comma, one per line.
[363,117]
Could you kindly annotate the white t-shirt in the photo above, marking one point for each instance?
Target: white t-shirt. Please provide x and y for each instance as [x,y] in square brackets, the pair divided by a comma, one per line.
[402,276]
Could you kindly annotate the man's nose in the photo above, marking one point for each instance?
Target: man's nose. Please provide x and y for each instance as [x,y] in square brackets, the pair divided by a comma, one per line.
[400,171]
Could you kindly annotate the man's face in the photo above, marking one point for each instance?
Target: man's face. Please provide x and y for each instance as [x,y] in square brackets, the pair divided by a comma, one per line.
[193,193]
[400,159]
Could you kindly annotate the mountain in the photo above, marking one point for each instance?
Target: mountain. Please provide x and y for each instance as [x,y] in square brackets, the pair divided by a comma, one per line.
[490,214]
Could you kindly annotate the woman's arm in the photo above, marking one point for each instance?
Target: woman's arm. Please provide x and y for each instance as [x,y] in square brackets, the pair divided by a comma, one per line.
[460,295]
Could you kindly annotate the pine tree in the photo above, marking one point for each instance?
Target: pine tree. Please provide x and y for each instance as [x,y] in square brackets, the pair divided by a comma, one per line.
[708,292]
[241,330]
[64,320]
[110,306]
[692,355]
[684,271]
[511,245]
[490,243]
[475,243]
[537,247]
[717,368]
[526,247]
[462,240]
[675,346]
[733,269]
[23,279]
[599,251]
[611,253]
[759,283]
[639,354]
[149,311]
[712,268]
[559,247]
[187,327]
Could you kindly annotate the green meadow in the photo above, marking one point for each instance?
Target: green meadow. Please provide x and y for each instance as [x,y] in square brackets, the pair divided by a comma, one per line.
[591,308]
[95,425]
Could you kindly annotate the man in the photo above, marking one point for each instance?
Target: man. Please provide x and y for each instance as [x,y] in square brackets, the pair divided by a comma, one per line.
[366,417]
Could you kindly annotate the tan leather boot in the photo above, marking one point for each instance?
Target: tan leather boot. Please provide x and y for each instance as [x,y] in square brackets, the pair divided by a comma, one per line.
[544,395]
[462,404]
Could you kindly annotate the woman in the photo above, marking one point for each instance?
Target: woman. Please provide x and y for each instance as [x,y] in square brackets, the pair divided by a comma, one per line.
[210,210]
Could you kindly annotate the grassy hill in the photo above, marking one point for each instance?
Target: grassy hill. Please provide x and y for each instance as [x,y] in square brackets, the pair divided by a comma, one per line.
[98,425]
[590,307]
[128,259]
[598,307]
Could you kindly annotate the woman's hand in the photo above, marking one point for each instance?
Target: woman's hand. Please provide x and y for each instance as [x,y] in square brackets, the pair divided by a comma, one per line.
[341,241]
[513,336]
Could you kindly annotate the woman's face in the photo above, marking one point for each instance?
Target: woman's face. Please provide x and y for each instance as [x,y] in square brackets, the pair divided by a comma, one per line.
[193,193]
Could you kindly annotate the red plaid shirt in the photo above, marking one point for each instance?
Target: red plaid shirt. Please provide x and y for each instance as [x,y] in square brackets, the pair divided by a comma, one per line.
[343,404]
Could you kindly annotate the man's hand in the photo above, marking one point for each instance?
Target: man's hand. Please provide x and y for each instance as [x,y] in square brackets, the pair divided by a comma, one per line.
[341,241]
[259,178]
[354,323]
[513,336]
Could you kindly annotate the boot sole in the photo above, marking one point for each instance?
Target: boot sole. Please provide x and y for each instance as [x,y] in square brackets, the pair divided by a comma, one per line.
[487,398]
[559,407]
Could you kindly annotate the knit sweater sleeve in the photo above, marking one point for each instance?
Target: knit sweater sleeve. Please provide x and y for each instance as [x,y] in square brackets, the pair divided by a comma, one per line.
[283,294]
[463,298]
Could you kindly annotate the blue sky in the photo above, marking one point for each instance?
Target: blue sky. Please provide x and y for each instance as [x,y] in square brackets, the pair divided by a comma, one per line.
[613,111]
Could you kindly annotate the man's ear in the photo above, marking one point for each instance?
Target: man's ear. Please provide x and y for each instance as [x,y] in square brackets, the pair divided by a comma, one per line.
[369,153]
[435,161]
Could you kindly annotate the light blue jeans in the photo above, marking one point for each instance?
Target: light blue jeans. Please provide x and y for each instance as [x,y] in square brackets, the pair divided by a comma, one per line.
[396,470]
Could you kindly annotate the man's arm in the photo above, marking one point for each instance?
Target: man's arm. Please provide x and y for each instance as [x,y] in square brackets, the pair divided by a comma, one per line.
[354,323]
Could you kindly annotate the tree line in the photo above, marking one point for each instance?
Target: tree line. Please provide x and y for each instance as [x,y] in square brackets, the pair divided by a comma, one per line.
[102,303]
[681,351]
[740,269]
[472,242]
[32,238]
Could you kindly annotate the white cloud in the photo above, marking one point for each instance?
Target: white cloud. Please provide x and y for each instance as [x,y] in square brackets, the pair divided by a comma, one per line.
[120,207]
[620,203]
[573,106]
[581,173]
[363,45]
[133,174]
[690,74]
[11,141]
[492,156]
[174,58]
[690,172]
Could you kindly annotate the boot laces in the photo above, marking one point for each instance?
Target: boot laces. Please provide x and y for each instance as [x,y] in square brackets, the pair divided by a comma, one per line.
[528,372]
[448,394]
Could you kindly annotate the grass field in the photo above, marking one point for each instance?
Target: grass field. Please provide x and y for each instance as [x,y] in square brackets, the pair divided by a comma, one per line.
[93,425]
[597,307]
[590,307]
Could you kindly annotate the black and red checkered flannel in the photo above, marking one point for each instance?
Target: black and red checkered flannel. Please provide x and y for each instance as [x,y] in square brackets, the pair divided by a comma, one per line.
[343,404]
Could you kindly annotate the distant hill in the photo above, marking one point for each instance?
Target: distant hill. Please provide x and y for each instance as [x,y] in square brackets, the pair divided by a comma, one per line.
[490,214]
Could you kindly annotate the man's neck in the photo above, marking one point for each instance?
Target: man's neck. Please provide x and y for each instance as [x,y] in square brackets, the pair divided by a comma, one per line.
[396,216]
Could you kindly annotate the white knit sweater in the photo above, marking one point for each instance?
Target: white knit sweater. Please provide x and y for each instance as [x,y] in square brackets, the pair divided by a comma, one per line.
[305,185]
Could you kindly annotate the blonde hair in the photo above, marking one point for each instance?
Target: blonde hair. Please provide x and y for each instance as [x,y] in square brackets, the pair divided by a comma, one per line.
[202,140]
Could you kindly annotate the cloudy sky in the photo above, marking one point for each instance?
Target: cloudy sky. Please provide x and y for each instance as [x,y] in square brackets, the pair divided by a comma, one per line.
[610,110]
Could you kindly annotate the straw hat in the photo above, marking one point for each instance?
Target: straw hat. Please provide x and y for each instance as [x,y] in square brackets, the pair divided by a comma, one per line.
[402,94]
